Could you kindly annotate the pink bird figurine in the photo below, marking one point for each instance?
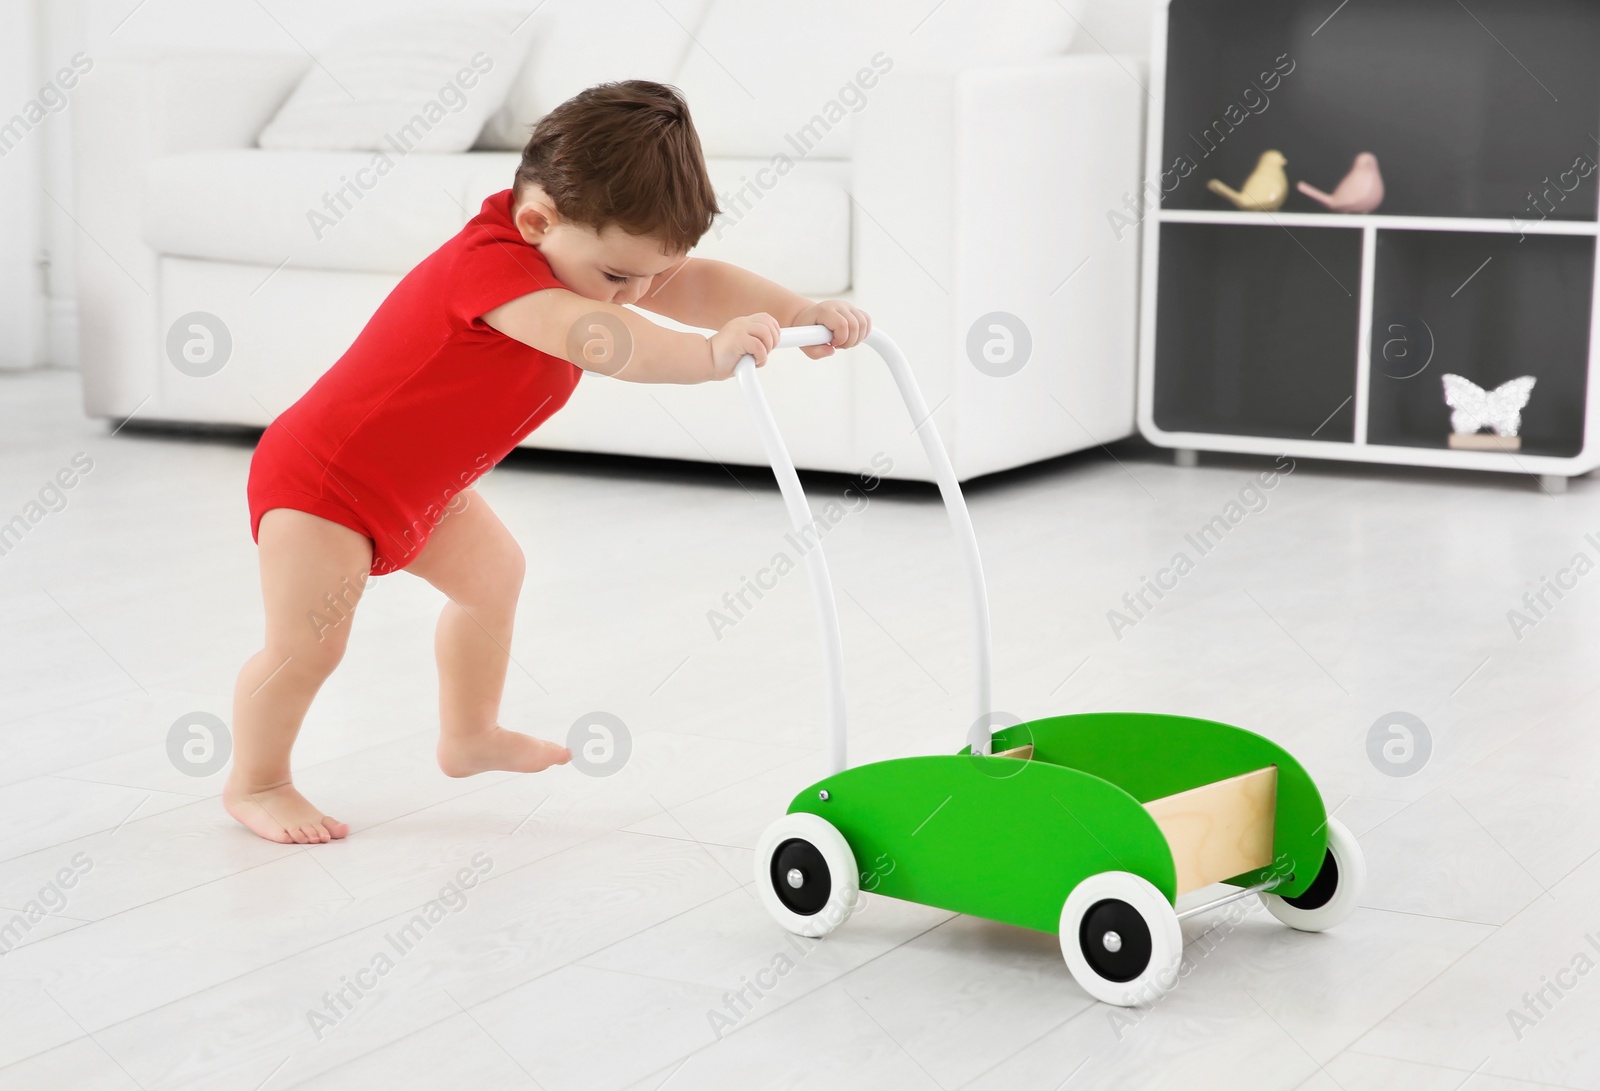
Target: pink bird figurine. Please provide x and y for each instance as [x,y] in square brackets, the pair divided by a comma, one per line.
[1359,191]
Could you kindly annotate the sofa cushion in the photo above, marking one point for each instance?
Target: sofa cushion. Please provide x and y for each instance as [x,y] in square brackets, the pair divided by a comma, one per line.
[428,82]
[366,212]
[786,77]
[579,43]
[789,222]
[369,211]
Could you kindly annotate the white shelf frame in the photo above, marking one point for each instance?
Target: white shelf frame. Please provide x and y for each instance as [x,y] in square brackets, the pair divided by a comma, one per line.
[1369,256]
[1469,224]
[1358,450]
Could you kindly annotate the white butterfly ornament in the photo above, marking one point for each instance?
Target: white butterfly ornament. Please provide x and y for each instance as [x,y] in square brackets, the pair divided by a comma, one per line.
[1476,408]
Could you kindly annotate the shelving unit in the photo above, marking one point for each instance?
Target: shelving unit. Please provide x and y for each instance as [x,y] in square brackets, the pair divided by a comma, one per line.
[1323,335]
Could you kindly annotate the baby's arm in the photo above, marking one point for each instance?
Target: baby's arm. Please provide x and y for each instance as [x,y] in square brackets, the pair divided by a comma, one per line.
[615,341]
[702,292]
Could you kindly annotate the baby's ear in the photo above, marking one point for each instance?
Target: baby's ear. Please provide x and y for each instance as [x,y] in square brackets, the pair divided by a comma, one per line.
[534,219]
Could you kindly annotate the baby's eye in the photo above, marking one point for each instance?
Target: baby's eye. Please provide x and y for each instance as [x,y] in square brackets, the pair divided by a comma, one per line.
[613,278]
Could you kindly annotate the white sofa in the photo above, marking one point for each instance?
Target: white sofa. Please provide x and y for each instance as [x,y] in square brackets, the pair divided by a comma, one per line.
[955,186]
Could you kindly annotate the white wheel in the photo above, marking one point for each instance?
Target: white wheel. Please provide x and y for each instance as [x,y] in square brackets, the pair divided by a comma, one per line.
[1121,939]
[806,874]
[1333,895]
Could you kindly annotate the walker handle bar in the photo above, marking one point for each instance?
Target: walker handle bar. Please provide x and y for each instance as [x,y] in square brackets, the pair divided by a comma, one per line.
[801,521]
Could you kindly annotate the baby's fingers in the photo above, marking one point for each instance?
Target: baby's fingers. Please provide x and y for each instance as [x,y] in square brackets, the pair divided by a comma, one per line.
[848,327]
[856,332]
[838,323]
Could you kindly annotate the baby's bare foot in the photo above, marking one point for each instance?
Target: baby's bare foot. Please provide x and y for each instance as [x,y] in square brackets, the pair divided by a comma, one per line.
[497,748]
[281,814]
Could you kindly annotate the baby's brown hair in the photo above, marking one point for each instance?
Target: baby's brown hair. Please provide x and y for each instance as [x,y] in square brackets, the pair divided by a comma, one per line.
[626,154]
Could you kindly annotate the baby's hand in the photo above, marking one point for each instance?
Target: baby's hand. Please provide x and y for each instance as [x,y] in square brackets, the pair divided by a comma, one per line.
[848,323]
[753,335]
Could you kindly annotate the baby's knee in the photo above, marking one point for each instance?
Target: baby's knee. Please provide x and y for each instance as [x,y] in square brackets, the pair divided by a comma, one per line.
[312,654]
[515,566]
[498,575]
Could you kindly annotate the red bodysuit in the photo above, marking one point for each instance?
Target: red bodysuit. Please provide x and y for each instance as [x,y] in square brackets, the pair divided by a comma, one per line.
[426,401]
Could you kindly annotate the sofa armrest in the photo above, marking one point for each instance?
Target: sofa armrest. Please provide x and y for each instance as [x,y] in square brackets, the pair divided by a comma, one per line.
[132,110]
[991,190]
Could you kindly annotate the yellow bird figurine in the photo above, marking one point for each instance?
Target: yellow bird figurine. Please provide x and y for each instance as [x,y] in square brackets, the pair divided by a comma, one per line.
[1264,191]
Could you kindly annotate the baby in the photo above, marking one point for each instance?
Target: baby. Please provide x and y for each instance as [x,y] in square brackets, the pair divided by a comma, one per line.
[372,470]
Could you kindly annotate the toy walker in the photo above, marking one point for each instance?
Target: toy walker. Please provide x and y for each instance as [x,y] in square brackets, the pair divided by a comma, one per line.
[1089,826]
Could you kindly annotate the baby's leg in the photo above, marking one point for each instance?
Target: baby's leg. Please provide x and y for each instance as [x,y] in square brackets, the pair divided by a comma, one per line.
[474,560]
[312,574]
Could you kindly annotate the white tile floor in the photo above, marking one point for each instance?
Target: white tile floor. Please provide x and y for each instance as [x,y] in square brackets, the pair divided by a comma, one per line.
[615,914]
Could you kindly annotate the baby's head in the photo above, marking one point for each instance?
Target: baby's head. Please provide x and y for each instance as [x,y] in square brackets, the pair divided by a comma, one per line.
[613,188]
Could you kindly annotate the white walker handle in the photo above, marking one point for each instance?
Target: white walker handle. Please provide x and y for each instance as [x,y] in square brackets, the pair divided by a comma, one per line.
[800,519]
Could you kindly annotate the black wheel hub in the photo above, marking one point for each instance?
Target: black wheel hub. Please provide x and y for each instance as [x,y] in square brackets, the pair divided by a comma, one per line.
[1322,887]
[1115,940]
[800,877]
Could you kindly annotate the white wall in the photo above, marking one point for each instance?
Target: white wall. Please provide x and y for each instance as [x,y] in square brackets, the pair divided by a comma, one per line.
[1121,26]
[21,153]
[1118,27]
[62,37]
[37,321]
[38,37]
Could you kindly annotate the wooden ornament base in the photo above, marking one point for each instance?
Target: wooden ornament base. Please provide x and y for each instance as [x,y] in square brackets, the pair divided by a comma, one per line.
[1484,441]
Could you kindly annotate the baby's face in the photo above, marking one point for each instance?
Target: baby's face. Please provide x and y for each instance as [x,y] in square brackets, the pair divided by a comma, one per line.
[609,265]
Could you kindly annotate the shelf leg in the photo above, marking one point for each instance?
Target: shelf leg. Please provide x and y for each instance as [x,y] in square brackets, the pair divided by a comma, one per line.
[1553,483]
[1185,456]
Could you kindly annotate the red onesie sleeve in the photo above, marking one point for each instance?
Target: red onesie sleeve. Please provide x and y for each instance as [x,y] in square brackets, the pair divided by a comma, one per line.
[491,270]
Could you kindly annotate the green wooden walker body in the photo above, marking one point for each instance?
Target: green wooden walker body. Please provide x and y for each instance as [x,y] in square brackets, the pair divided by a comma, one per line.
[1007,839]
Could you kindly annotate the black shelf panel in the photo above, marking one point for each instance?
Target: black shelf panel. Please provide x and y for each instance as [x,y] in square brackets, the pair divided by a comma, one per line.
[1469,109]
[1437,307]
[1257,331]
